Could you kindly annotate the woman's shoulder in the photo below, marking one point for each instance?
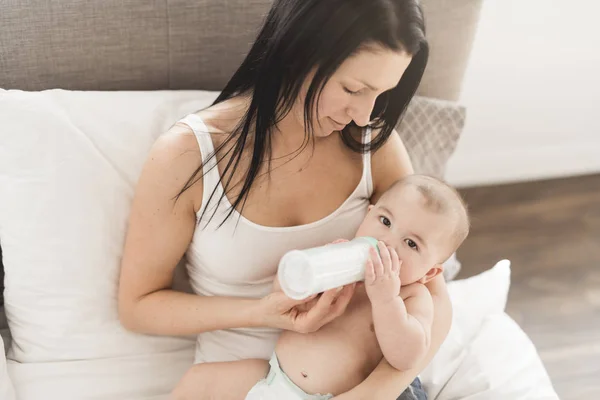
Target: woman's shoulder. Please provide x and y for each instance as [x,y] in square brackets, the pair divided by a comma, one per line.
[389,163]
[173,159]
[178,139]
[223,118]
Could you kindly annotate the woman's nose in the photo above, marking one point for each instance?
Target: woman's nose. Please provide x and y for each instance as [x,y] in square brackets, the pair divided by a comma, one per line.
[361,119]
[361,111]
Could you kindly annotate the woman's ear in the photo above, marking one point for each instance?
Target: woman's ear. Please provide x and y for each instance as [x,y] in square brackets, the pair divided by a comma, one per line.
[432,273]
[371,207]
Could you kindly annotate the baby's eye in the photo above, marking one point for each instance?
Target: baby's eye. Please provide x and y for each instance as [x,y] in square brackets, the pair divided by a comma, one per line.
[385,221]
[412,244]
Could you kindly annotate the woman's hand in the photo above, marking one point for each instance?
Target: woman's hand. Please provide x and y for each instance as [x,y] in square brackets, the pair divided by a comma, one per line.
[308,315]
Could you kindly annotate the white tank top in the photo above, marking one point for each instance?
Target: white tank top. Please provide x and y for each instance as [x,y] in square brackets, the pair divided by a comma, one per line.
[240,257]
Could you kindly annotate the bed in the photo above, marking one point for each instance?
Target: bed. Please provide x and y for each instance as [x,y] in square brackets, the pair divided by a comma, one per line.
[86,88]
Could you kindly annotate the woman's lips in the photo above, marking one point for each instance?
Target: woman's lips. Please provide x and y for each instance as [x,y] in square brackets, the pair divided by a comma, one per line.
[337,124]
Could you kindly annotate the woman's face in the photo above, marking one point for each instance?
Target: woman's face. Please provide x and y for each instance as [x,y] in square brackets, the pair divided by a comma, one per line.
[350,93]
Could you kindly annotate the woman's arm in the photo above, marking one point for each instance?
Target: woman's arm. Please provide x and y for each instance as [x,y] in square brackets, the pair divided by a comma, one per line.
[390,163]
[160,230]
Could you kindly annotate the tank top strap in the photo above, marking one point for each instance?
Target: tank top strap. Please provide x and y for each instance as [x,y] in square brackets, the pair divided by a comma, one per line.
[210,173]
[367,174]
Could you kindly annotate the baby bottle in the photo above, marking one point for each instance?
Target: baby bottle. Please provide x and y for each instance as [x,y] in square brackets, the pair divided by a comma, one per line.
[303,273]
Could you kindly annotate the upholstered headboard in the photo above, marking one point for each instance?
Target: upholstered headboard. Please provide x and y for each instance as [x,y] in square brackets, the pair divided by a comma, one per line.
[176,44]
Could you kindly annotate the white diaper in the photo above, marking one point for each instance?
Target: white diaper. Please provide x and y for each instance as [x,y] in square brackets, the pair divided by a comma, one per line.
[278,386]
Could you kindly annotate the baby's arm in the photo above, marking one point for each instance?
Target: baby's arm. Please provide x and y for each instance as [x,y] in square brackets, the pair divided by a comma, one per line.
[402,316]
[403,326]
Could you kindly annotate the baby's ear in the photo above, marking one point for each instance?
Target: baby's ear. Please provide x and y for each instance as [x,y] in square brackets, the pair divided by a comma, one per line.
[432,273]
[371,207]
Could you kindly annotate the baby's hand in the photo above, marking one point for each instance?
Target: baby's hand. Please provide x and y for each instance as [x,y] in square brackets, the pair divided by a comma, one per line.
[382,275]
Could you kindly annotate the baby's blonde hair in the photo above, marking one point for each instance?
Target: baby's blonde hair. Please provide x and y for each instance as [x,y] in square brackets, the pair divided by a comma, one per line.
[443,199]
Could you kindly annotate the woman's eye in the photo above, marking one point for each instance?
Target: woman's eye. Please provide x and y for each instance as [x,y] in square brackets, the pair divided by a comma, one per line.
[349,91]
[385,221]
[411,244]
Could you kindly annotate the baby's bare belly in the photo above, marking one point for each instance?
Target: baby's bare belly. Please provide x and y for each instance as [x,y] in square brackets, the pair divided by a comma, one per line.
[337,357]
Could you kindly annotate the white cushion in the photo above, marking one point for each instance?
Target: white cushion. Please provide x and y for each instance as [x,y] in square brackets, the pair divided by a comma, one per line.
[505,364]
[452,267]
[7,391]
[4,332]
[69,162]
[476,297]
[486,355]
[473,299]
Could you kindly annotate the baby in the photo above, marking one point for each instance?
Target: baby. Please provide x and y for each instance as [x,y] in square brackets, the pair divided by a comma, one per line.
[419,222]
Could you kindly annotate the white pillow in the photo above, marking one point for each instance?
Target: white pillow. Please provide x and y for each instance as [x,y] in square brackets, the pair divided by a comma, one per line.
[451,267]
[7,391]
[500,363]
[69,162]
[473,299]
[476,297]
[4,332]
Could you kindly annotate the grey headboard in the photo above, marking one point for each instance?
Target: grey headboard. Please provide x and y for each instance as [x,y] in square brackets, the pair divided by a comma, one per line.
[177,44]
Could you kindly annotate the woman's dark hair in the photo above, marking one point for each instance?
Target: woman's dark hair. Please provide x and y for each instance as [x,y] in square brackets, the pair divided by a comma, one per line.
[302,36]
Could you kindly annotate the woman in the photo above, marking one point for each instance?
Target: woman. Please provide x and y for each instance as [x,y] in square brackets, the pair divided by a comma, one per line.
[290,155]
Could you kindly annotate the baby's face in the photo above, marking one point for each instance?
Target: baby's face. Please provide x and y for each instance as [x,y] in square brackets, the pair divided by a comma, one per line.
[421,237]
